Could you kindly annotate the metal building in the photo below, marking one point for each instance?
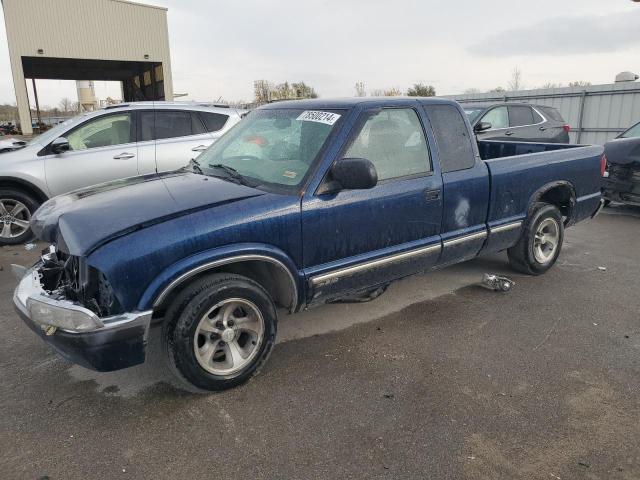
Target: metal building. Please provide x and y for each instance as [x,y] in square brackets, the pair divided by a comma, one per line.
[88,40]
[596,113]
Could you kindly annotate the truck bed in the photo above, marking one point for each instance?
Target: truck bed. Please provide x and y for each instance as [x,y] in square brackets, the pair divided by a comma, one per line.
[490,149]
[518,170]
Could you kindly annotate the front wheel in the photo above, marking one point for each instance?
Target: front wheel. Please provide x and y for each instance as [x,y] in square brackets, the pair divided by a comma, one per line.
[541,241]
[16,208]
[220,331]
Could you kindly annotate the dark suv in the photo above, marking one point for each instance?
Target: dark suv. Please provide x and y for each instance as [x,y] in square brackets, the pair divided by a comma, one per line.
[518,122]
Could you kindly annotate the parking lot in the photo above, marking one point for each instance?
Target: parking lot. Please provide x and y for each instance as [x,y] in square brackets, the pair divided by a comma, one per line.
[438,378]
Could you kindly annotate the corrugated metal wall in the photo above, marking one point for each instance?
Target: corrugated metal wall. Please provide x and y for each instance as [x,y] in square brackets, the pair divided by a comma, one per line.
[596,113]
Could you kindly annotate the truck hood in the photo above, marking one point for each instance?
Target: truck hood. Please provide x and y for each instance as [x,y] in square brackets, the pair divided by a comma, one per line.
[80,221]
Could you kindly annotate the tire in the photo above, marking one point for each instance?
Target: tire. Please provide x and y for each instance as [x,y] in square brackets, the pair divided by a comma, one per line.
[207,354]
[13,233]
[531,255]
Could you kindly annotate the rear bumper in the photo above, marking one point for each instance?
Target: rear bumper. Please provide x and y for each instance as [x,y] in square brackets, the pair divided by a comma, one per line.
[113,343]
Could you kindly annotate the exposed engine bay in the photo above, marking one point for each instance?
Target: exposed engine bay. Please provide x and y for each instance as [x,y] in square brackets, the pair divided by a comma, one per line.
[69,277]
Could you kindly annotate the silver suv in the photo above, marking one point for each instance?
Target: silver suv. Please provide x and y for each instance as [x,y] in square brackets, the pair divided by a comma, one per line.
[116,142]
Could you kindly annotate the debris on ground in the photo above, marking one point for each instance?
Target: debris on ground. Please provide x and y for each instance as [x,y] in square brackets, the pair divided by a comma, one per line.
[602,269]
[29,246]
[497,283]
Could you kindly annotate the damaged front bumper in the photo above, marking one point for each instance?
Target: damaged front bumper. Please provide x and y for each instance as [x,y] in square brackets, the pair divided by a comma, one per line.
[622,184]
[77,333]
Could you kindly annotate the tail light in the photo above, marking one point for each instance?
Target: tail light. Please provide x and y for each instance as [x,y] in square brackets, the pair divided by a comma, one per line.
[603,164]
[566,128]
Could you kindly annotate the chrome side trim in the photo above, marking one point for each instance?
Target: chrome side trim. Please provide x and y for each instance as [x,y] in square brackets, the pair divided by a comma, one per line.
[506,227]
[343,272]
[465,238]
[227,261]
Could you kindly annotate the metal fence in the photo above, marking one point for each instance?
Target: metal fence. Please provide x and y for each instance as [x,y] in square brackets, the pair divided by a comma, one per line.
[596,113]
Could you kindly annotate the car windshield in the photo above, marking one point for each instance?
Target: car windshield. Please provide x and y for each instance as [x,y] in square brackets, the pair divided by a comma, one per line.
[473,113]
[632,132]
[270,147]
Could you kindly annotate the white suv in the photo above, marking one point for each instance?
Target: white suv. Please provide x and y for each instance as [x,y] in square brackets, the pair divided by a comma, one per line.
[120,141]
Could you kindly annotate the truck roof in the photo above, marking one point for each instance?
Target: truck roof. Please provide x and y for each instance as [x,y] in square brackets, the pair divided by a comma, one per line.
[329,103]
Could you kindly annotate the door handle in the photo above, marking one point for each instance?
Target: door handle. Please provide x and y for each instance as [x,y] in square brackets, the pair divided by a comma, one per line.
[124,156]
[508,134]
[199,148]
[432,194]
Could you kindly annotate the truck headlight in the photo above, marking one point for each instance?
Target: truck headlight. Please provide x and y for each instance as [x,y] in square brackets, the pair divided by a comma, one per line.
[63,315]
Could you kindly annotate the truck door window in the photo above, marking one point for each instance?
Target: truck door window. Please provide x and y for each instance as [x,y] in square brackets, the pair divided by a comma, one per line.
[520,116]
[452,137]
[393,140]
[497,117]
[102,132]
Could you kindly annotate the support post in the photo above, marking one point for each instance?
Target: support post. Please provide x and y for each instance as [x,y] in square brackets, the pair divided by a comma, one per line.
[35,97]
[583,97]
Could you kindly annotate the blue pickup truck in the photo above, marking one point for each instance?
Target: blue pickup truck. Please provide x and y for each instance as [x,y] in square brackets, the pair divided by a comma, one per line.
[300,204]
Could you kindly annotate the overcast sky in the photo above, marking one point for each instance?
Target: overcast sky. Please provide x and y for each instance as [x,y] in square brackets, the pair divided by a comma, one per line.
[219,47]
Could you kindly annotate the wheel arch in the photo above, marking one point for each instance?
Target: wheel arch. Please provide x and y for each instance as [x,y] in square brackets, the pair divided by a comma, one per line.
[273,274]
[562,194]
[25,186]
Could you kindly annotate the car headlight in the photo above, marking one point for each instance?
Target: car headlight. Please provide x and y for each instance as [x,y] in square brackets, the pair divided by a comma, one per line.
[64,315]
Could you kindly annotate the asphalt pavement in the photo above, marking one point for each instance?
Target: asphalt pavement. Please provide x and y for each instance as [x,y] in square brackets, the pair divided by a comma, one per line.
[438,378]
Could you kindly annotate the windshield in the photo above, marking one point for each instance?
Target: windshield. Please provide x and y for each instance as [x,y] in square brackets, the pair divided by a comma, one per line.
[271,146]
[473,113]
[632,132]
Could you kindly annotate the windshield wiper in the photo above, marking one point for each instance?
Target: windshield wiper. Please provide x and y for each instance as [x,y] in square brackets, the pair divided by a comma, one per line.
[194,165]
[231,173]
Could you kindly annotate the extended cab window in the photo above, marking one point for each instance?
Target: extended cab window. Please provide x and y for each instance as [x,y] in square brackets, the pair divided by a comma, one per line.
[452,136]
[498,117]
[394,142]
[102,132]
[520,116]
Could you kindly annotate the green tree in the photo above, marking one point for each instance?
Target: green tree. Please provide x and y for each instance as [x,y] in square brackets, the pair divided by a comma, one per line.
[421,90]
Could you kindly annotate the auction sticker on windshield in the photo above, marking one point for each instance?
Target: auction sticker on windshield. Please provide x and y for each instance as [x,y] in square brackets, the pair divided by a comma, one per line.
[317,116]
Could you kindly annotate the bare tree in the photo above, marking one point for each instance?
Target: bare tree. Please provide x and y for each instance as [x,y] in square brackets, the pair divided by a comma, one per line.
[262,91]
[388,92]
[66,105]
[472,90]
[515,83]
[360,91]
[377,93]
[497,90]
[552,85]
[421,90]
[579,83]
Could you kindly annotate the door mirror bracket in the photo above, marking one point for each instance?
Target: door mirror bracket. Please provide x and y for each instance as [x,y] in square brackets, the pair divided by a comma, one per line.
[352,174]
[60,145]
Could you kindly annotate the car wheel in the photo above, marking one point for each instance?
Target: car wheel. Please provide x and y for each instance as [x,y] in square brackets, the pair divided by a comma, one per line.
[16,208]
[219,332]
[541,241]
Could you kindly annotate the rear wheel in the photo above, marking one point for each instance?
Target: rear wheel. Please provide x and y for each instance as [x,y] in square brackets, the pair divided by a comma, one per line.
[541,241]
[220,331]
[16,208]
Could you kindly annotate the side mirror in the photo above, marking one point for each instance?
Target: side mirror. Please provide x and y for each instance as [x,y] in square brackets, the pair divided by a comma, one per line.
[60,145]
[482,126]
[354,173]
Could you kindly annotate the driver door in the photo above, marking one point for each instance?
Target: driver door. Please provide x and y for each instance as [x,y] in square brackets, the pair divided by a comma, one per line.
[101,149]
[357,239]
